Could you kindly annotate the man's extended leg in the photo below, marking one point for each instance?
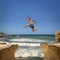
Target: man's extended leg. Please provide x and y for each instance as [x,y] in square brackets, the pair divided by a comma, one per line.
[26,26]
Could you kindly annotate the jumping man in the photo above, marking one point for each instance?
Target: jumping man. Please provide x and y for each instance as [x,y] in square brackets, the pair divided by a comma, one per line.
[31,23]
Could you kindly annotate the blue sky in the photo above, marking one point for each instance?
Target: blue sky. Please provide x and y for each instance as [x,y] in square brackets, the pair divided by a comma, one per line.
[13,16]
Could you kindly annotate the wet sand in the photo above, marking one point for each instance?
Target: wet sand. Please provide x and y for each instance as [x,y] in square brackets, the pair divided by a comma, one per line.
[29,58]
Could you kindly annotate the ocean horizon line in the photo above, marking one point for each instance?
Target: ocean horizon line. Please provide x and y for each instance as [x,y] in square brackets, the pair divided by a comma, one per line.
[32,34]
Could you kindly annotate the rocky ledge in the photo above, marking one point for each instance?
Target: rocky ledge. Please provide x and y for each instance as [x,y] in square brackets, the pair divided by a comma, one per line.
[51,51]
[7,52]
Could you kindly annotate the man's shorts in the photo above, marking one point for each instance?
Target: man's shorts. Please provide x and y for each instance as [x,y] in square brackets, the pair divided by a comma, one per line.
[31,26]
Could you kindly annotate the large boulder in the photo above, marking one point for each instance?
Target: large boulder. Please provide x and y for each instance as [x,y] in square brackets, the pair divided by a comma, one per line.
[57,36]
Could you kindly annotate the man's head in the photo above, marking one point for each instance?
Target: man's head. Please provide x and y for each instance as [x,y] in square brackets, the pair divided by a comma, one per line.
[28,18]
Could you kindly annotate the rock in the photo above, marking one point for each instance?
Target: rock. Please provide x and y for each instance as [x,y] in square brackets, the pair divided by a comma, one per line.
[2,34]
[7,52]
[57,36]
[51,51]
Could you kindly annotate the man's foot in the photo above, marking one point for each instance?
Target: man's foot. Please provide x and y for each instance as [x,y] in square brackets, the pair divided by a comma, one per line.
[34,30]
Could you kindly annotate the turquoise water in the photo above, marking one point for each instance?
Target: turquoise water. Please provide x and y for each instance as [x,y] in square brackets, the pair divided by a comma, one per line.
[43,37]
[49,37]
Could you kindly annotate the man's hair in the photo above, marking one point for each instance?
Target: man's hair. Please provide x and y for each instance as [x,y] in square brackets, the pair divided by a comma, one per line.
[30,19]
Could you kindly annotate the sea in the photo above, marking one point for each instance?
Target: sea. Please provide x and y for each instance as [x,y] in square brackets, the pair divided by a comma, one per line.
[29,45]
